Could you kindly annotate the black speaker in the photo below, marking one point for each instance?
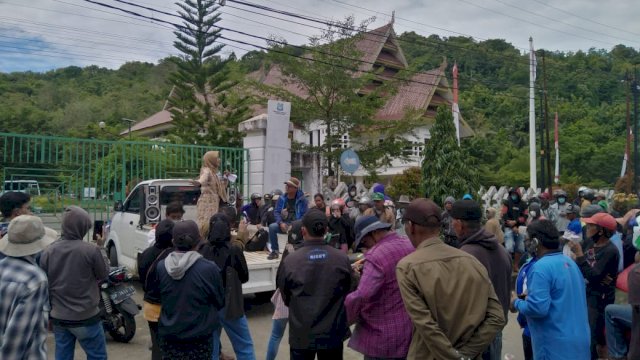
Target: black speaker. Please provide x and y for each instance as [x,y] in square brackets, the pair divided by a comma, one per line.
[152,208]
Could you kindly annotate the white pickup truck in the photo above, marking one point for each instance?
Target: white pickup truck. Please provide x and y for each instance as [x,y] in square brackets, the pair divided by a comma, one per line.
[145,206]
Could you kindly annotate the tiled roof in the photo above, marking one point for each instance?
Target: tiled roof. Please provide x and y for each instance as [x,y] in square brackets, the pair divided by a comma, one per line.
[156,119]
[413,94]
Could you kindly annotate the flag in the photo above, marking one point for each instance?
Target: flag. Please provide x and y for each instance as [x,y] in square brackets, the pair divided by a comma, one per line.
[533,171]
[456,109]
[557,177]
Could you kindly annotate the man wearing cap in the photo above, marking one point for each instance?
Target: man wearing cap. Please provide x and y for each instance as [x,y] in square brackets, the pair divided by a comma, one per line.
[291,206]
[380,211]
[24,303]
[599,266]
[383,327]
[484,246]
[447,292]
[191,294]
[74,287]
[314,281]
[553,299]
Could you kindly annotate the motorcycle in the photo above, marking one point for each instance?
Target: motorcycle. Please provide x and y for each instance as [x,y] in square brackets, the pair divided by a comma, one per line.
[117,308]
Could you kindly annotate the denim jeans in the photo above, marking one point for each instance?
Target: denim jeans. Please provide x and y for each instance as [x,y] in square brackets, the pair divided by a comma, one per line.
[513,242]
[277,332]
[494,351]
[617,320]
[238,332]
[91,339]
[274,230]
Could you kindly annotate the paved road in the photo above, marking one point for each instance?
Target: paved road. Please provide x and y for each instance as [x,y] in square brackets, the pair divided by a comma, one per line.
[259,316]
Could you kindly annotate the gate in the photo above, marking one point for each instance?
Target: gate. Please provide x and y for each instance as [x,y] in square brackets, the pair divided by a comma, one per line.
[94,174]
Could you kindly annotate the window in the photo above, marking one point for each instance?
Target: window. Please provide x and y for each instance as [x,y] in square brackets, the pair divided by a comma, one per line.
[344,141]
[186,195]
[134,201]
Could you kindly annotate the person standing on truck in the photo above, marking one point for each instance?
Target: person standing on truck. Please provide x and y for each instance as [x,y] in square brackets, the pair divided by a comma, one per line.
[192,294]
[290,207]
[233,268]
[75,269]
[213,190]
[147,262]
[314,282]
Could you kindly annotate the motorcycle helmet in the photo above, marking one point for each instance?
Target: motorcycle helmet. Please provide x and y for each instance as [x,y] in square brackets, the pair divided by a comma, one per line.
[364,200]
[339,202]
[589,194]
[255,196]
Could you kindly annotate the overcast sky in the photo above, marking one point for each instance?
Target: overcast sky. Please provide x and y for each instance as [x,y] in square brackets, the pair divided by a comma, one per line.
[41,35]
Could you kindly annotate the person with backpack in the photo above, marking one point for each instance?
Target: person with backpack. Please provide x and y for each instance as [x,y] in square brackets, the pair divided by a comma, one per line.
[234,272]
[147,263]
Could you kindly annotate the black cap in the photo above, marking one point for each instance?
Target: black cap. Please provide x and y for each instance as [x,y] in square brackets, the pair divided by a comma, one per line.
[186,235]
[315,221]
[466,210]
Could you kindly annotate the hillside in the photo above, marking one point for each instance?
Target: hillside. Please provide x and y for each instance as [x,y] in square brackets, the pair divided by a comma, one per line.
[585,88]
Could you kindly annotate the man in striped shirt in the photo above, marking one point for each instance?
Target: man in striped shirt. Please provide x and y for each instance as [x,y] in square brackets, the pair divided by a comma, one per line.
[24,304]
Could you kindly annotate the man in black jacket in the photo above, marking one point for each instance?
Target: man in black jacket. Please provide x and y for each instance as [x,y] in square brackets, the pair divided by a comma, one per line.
[191,294]
[484,246]
[314,281]
[514,215]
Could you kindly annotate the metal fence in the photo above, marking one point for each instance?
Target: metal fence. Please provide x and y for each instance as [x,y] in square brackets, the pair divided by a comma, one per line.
[95,173]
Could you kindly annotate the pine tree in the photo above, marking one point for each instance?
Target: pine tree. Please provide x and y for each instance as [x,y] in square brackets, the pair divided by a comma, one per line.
[445,169]
[204,109]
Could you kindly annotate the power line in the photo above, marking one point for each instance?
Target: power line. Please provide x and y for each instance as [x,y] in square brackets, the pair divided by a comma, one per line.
[586,19]
[561,22]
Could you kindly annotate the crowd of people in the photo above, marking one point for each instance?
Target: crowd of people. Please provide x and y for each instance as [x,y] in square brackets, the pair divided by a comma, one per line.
[434,283]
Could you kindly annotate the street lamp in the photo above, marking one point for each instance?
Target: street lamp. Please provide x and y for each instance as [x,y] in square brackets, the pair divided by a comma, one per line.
[130,123]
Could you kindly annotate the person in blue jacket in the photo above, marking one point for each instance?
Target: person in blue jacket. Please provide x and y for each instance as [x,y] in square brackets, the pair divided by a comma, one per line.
[290,207]
[554,304]
[522,287]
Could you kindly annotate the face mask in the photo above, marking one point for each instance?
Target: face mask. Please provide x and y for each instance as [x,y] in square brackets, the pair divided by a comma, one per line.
[533,214]
[514,197]
[561,200]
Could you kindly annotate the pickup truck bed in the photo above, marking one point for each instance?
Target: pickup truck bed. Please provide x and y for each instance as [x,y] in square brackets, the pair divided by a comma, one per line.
[262,272]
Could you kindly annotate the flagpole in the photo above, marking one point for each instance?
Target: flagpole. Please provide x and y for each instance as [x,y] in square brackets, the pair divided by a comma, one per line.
[557,174]
[533,172]
[456,109]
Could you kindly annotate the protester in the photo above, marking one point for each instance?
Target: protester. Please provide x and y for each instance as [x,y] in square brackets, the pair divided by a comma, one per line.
[281,313]
[436,282]
[535,211]
[74,287]
[383,327]
[290,207]
[174,212]
[493,225]
[229,258]
[353,195]
[449,233]
[553,300]
[340,228]
[599,267]
[545,206]
[213,190]
[314,282]
[147,262]
[634,301]
[319,203]
[267,204]
[466,215]
[559,208]
[14,204]
[514,215]
[251,211]
[191,294]
[25,291]
[578,200]
[617,319]
[379,210]
[364,204]
[522,288]
[586,213]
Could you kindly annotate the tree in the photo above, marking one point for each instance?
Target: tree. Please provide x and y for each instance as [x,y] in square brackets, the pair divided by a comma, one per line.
[333,84]
[445,169]
[201,109]
[408,183]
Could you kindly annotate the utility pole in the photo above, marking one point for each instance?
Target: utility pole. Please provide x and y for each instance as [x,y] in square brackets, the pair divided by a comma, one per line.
[130,123]
[546,122]
[543,178]
[634,89]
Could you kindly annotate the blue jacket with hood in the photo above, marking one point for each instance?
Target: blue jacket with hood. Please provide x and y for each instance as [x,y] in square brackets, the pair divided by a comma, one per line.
[301,206]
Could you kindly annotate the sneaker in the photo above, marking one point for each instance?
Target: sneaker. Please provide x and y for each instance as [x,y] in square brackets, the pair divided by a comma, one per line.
[274,255]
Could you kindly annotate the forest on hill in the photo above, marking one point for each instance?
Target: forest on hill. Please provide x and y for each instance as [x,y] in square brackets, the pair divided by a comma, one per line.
[586,89]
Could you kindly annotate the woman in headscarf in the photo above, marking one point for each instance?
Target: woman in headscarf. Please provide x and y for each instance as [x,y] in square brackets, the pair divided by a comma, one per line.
[220,250]
[213,190]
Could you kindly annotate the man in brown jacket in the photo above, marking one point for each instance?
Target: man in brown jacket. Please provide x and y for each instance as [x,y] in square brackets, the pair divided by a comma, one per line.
[447,292]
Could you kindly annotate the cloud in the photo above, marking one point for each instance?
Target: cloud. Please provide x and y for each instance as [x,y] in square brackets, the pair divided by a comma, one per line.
[56,33]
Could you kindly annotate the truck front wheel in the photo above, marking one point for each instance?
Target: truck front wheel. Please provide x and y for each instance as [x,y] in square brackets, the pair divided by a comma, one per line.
[113,255]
